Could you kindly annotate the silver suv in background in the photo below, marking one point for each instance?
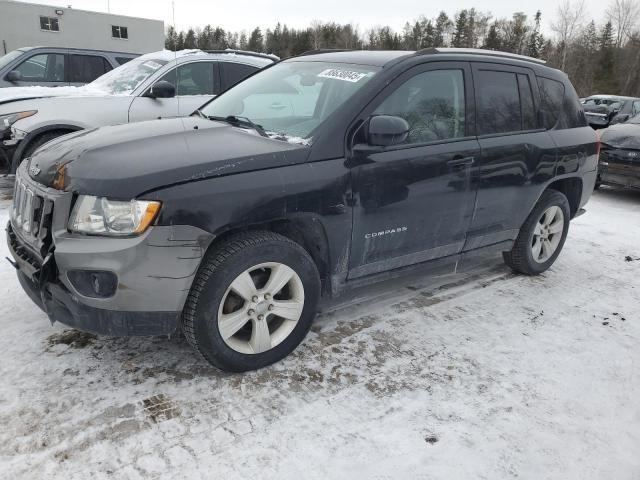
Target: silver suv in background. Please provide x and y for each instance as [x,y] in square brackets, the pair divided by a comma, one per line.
[54,67]
[158,85]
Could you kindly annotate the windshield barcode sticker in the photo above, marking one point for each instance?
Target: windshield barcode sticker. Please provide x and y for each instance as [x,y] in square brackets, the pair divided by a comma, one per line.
[346,75]
[152,65]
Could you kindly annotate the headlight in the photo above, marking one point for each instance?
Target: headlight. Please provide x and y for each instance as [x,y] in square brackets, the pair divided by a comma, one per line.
[9,119]
[101,216]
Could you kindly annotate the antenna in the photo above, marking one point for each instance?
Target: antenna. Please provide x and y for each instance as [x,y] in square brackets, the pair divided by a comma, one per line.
[175,56]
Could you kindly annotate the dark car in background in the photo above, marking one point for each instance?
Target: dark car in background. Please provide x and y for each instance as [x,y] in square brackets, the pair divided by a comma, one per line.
[54,67]
[604,110]
[619,163]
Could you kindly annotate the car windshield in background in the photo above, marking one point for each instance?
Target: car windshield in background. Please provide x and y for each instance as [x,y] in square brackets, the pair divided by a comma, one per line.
[291,99]
[10,57]
[126,78]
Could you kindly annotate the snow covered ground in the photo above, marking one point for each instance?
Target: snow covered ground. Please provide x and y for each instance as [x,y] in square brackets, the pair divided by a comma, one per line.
[485,375]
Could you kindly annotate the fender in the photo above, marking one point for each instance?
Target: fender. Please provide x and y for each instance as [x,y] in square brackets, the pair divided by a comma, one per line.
[22,146]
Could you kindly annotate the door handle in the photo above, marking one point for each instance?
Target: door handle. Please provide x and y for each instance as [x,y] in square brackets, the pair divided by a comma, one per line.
[461,162]
[277,106]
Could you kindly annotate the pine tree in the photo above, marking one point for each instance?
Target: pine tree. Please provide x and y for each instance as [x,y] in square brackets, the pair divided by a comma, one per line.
[605,79]
[493,40]
[171,38]
[256,41]
[536,40]
[190,39]
[460,30]
[441,30]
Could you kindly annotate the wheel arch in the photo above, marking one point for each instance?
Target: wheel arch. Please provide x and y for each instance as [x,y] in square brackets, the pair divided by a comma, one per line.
[571,187]
[307,230]
[33,135]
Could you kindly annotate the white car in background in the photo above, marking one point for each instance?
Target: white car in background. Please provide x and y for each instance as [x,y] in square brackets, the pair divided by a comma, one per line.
[157,85]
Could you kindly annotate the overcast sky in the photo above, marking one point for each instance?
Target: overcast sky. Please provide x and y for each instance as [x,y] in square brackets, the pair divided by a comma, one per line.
[246,14]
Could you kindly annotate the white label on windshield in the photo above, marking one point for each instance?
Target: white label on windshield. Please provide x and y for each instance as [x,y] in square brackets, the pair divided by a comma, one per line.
[151,64]
[346,75]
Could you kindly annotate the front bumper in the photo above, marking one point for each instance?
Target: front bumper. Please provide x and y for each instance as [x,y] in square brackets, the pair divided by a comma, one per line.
[620,167]
[61,306]
[154,271]
[597,119]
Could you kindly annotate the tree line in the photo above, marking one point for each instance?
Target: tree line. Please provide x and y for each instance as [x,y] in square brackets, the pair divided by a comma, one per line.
[599,57]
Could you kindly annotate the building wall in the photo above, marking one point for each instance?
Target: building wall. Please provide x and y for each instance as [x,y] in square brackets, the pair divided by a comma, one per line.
[20,27]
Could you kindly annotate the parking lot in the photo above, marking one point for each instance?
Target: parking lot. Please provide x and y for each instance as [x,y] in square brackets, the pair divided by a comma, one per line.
[481,375]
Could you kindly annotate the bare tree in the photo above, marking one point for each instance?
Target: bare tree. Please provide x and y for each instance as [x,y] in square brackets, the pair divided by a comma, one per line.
[567,26]
[623,15]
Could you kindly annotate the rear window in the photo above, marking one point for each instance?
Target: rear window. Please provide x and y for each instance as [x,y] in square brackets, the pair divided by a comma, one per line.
[560,107]
[86,68]
[123,60]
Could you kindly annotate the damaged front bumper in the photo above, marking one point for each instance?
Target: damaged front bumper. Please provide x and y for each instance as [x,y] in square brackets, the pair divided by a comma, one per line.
[41,283]
[151,274]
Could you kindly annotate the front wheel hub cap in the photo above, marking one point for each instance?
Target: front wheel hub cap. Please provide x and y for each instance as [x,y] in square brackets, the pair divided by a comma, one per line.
[261,308]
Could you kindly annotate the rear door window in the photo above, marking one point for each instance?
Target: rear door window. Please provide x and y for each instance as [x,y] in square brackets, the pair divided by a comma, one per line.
[499,109]
[233,73]
[529,118]
[86,68]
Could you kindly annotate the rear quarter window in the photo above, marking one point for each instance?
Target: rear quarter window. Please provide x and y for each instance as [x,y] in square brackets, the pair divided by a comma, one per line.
[560,105]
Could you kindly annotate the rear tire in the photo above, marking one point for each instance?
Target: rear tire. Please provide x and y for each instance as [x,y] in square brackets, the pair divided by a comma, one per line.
[232,314]
[542,236]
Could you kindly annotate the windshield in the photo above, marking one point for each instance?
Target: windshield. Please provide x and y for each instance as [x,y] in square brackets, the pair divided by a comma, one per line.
[291,99]
[126,78]
[9,57]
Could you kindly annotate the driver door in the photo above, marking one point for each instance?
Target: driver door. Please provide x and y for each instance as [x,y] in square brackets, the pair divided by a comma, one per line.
[196,83]
[414,201]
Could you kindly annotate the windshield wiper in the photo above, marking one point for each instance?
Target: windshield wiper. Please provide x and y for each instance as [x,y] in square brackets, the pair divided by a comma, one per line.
[239,122]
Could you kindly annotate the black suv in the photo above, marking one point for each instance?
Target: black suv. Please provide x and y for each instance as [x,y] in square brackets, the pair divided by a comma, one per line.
[318,174]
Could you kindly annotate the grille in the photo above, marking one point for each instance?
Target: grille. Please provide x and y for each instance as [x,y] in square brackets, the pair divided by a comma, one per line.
[32,216]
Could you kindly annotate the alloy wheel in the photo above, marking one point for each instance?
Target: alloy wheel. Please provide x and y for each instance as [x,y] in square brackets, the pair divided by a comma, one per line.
[547,234]
[261,308]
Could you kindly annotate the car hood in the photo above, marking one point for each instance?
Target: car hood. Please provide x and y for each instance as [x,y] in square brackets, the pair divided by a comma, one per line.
[622,135]
[16,94]
[126,161]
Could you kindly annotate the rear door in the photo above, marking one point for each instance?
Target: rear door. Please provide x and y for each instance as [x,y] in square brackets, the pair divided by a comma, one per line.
[196,83]
[518,154]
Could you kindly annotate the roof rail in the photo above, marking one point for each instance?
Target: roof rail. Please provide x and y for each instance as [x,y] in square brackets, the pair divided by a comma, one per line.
[480,51]
[247,53]
[326,50]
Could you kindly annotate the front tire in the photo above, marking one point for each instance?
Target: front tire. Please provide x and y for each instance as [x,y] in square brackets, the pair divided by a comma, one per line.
[252,302]
[542,236]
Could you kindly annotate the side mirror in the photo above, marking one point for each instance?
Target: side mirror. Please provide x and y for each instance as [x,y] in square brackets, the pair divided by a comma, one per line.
[387,130]
[13,76]
[162,89]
